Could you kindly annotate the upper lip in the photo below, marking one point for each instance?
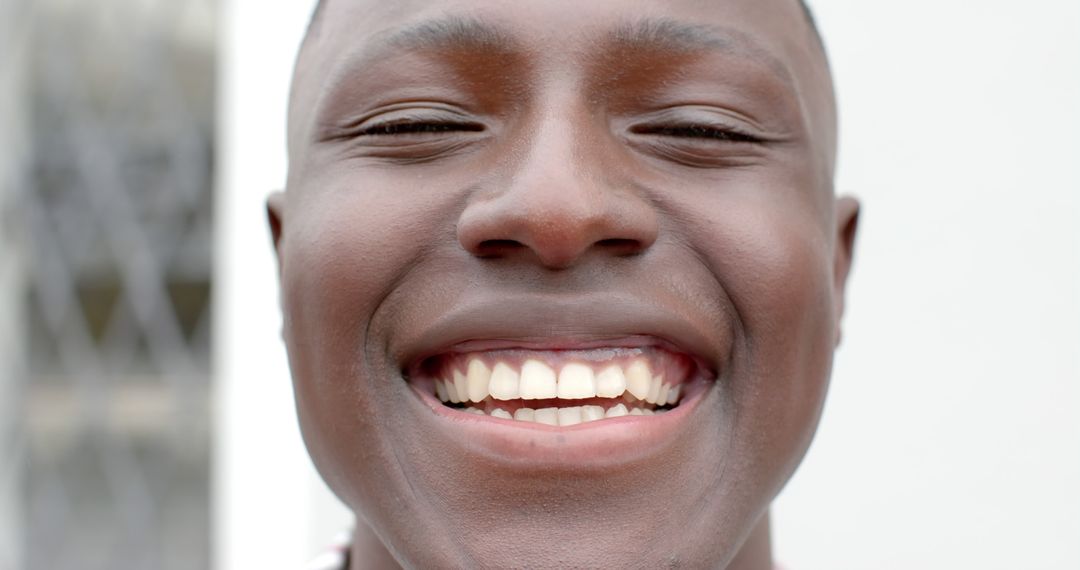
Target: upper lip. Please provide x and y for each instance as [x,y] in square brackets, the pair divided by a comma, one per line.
[542,322]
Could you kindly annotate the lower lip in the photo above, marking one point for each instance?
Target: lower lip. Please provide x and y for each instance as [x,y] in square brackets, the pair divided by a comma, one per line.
[599,444]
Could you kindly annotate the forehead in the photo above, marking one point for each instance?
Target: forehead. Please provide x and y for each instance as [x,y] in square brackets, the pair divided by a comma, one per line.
[376,14]
[351,37]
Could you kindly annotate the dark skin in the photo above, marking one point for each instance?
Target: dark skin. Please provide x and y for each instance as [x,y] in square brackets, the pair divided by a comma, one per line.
[557,174]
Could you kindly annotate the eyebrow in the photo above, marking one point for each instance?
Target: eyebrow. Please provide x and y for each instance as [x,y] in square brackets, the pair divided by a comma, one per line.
[471,34]
[672,34]
[646,34]
[663,34]
[453,32]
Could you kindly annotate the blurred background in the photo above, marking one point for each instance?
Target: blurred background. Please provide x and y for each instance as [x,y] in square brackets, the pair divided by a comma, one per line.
[107,117]
[146,416]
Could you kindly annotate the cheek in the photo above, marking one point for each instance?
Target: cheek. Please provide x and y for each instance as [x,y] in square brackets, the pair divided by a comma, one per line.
[775,265]
[337,260]
[346,246]
[343,253]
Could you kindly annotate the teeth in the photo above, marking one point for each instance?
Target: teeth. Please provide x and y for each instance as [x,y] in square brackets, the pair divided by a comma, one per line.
[592,413]
[638,379]
[665,392]
[628,388]
[610,382]
[537,382]
[478,377]
[576,382]
[654,389]
[570,416]
[549,416]
[504,383]
[617,411]
[451,392]
[461,384]
[440,391]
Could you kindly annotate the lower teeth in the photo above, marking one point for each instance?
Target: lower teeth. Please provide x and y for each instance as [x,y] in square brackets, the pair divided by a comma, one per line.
[568,416]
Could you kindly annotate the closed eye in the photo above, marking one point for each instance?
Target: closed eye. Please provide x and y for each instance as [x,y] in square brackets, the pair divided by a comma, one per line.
[419,127]
[697,131]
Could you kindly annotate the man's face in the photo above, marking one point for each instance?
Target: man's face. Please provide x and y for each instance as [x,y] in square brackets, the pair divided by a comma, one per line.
[611,216]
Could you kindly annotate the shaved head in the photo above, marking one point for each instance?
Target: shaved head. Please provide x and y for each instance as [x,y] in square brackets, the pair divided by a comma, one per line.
[814,60]
[317,13]
[484,195]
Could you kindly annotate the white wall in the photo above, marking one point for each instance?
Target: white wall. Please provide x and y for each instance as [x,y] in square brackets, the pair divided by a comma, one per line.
[952,434]
[271,509]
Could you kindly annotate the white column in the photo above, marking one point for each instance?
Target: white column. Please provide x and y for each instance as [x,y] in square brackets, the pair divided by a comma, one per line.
[13,109]
[270,508]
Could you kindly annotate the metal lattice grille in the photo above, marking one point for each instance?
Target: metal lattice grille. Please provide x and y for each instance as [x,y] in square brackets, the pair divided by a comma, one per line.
[114,221]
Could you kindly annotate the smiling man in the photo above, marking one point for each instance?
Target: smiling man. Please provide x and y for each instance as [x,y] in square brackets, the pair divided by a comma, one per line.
[562,280]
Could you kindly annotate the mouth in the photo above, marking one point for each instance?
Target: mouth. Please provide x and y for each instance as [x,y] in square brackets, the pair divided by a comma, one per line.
[558,382]
[558,387]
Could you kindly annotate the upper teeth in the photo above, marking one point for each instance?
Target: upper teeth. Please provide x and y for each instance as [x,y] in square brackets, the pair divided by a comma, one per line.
[639,379]
[536,380]
[576,381]
[503,384]
[479,379]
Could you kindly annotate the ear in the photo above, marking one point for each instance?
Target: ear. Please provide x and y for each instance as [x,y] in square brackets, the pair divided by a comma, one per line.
[275,212]
[847,225]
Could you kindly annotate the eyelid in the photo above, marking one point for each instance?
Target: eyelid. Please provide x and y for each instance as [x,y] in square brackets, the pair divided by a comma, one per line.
[706,132]
[700,136]
[419,126]
[412,118]
[702,123]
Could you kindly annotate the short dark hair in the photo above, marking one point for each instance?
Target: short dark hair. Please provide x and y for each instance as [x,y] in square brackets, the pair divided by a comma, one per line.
[318,11]
[806,12]
[805,7]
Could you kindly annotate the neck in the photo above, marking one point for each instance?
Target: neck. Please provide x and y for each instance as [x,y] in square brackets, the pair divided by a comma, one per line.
[756,551]
[369,553]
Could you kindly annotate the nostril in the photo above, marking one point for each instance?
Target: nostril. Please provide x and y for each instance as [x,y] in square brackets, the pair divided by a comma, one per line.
[621,246]
[497,247]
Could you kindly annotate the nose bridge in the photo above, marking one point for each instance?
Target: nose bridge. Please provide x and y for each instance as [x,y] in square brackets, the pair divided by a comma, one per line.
[555,174]
[556,199]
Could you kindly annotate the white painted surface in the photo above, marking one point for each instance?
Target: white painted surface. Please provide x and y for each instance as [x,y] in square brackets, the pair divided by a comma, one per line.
[951,438]
[270,507]
[952,434]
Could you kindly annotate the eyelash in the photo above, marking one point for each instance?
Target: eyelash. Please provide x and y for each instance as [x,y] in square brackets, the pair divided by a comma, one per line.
[675,131]
[691,131]
[419,127]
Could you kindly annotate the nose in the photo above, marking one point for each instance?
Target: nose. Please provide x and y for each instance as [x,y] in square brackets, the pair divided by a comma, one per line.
[558,203]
